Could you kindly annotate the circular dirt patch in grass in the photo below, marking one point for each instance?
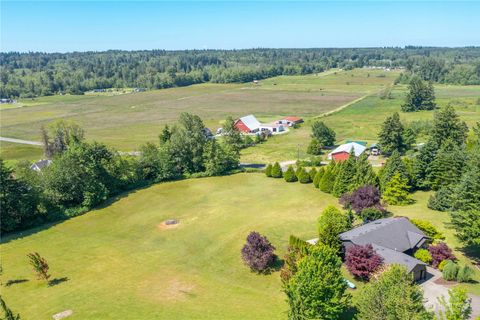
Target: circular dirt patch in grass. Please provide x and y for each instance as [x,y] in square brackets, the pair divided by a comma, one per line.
[168,224]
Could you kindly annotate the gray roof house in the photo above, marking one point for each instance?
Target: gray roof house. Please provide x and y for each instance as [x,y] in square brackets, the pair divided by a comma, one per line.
[40,164]
[394,239]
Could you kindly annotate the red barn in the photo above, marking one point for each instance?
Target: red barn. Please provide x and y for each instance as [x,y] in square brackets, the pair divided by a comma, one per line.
[342,153]
[248,124]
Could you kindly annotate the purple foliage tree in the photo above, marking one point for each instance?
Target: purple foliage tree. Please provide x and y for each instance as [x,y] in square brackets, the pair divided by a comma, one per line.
[362,198]
[362,261]
[258,252]
[440,252]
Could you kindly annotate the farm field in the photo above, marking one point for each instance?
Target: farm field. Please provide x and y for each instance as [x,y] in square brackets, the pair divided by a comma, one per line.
[118,262]
[128,120]
[362,120]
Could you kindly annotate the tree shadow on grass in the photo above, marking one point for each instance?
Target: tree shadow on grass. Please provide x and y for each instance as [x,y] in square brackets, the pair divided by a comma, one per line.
[57,281]
[472,252]
[15,281]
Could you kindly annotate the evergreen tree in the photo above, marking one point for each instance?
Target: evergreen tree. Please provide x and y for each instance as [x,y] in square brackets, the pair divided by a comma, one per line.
[364,174]
[442,199]
[304,177]
[277,171]
[330,224]
[396,191]
[420,96]
[467,226]
[290,175]
[323,134]
[393,165]
[390,137]
[314,147]
[392,295]
[312,173]
[317,289]
[447,125]
[467,192]
[344,181]
[328,178]
[165,134]
[422,163]
[448,165]
[268,170]
[318,177]
[298,171]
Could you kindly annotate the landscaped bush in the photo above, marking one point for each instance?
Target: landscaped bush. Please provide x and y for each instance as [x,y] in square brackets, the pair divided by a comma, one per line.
[314,147]
[289,175]
[277,171]
[361,198]
[298,171]
[450,271]
[428,229]
[440,252]
[371,214]
[268,170]
[362,261]
[423,255]
[318,177]
[465,274]
[304,177]
[258,252]
[442,264]
[312,173]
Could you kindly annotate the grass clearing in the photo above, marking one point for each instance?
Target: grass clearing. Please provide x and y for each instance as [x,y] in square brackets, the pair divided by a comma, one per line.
[119,264]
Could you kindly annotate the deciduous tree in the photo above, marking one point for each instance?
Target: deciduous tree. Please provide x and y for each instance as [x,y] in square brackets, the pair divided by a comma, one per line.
[258,252]
[362,261]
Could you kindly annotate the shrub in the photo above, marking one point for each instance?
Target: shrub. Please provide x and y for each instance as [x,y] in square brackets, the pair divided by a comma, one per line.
[371,214]
[277,171]
[304,177]
[440,252]
[314,147]
[458,307]
[289,175]
[450,271]
[40,266]
[258,252]
[268,170]
[312,173]
[362,261]
[442,264]
[362,198]
[331,223]
[465,274]
[298,171]
[318,177]
[423,255]
[428,229]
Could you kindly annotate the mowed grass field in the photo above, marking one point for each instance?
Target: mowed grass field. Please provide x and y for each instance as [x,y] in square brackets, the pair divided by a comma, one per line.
[128,120]
[117,262]
[362,120]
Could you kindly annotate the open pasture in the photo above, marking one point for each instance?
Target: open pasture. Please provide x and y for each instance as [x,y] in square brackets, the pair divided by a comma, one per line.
[128,120]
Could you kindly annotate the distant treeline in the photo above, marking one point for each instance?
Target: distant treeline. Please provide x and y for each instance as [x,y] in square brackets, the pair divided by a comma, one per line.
[39,74]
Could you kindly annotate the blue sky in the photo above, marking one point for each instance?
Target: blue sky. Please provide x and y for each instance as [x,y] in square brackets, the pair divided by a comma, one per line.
[62,26]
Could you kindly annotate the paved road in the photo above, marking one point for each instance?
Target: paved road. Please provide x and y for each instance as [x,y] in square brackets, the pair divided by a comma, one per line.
[33,143]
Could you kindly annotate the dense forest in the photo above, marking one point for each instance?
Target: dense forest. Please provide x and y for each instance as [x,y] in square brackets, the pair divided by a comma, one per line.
[38,74]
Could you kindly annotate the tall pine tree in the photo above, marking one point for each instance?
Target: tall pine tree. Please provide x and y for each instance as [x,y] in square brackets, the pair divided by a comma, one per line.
[391,135]
[364,174]
[447,125]
[448,165]
[394,165]
[344,181]
[328,178]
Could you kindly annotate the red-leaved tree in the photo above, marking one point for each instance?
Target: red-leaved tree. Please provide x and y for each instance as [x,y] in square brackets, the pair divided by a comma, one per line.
[440,252]
[362,198]
[258,252]
[362,261]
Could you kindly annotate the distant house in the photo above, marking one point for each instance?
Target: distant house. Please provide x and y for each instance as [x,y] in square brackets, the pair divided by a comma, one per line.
[342,152]
[394,239]
[40,164]
[363,143]
[374,150]
[290,121]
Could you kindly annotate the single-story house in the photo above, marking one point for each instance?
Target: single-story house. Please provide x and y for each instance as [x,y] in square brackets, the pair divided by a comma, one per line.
[40,164]
[250,124]
[290,121]
[394,239]
[363,143]
[342,152]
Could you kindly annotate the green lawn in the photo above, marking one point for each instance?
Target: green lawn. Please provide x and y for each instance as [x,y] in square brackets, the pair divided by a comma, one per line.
[120,264]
